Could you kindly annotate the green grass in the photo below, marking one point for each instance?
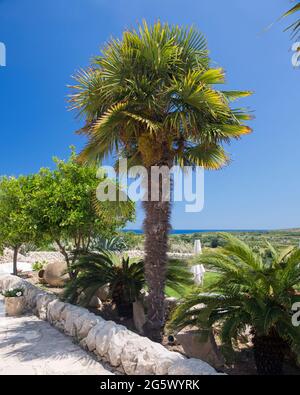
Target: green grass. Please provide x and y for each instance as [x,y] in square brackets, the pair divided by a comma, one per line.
[209,278]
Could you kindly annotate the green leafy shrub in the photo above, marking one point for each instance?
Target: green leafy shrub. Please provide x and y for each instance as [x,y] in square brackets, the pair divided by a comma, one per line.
[13,292]
[250,291]
[37,266]
[125,277]
[115,243]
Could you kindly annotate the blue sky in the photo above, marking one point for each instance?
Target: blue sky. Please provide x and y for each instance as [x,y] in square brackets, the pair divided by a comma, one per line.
[48,41]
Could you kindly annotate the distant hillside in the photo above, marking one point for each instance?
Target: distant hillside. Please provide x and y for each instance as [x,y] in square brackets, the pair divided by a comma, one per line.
[291,230]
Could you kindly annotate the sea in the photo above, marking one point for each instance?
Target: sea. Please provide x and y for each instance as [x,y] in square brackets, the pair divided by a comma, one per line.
[191,231]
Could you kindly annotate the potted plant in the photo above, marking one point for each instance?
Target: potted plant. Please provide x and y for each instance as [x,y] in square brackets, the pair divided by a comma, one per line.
[39,268]
[14,301]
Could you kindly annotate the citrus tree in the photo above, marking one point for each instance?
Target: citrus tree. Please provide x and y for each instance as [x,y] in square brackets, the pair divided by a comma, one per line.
[65,210]
[16,225]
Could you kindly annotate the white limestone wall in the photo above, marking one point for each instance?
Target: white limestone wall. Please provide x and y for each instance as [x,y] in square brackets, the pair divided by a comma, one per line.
[125,350]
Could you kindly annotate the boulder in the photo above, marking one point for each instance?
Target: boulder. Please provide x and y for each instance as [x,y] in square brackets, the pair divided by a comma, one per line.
[42,301]
[141,356]
[91,337]
[85,323]
[200,345]
[170,304]
[95,302]
[73,313]
[31,293]
[103,293]
[191,367]
[54,311]
[55,274]
[104,336]
[9,281]
[139,317]
[117,342]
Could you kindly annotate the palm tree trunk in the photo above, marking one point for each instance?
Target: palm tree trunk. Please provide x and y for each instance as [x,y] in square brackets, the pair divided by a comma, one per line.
[269,352]
[156,227]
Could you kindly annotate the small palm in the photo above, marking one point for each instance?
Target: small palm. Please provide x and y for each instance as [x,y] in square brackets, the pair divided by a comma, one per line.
[250,291]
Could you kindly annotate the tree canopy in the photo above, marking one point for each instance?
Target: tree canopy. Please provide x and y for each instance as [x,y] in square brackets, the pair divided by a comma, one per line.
[16,226]
[65,209]
[58,206]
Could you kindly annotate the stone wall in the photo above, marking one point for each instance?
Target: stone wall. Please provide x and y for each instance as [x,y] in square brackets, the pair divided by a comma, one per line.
[128,352]
[32,256]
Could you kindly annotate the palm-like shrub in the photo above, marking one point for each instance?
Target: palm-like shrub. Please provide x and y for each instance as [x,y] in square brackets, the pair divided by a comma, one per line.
[125,277]
[249,292]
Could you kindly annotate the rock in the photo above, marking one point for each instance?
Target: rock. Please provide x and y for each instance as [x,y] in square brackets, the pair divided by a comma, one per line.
[103,293]
[8,281]
[31,293]
[42,302]
[85,323]
[126,350]
[104,336]
[55,274]
[54,311]
[139,317]
[193,367]
[116,343]
[200,346]
[72,314]
[170,304]
[43,256]
[8,255]
[95,302]
[141,356]
[91,337]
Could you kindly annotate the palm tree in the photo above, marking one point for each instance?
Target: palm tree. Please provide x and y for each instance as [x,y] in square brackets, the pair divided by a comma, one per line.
[294,27]
[125,277]
[251,290]
[150,98]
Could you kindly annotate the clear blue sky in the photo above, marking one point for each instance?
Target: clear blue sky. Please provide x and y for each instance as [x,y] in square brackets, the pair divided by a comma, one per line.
[48,40]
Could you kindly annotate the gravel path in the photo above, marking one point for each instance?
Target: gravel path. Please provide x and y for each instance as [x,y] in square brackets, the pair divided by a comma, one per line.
[29,345]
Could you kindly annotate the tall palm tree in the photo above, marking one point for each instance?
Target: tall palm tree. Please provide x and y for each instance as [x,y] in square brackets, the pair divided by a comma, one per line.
[150,98]
[294,27]
[251,290]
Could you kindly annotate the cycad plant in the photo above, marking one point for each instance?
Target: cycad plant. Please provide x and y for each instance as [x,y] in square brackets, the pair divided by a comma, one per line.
[125,277]
[249,292]
[150,97]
